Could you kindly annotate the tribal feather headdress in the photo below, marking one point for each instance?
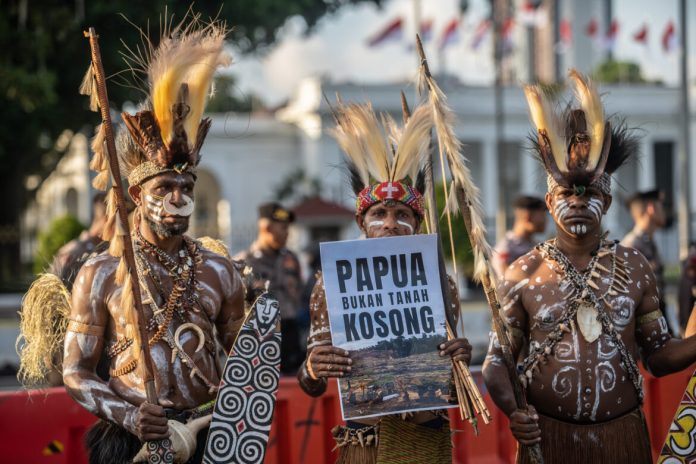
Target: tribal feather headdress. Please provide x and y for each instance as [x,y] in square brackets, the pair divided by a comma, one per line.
[170,130]
[386,162]
[580,147]
[167,134]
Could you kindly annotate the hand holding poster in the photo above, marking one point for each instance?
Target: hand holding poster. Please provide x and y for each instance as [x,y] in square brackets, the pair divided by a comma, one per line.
[386,309]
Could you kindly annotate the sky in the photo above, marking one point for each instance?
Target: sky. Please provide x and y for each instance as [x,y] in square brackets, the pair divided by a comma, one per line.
[337,47]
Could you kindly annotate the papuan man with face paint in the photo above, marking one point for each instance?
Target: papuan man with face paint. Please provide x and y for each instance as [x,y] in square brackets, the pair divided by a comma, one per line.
[389,203]
[193,299]
[580,308]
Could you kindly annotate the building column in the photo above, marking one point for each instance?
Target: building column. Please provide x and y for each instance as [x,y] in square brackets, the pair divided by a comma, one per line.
[646,167]
[528,171]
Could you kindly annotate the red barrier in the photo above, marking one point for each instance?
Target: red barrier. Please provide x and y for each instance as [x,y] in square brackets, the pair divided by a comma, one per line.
[48,426]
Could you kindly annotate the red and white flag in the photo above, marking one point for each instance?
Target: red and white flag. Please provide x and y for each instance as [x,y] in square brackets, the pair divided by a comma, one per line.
[669,38]
[565,36]
[612,34]
[390,33]
[450,35]
[530,15]
[481,32]
[426,30]
[592,29]
[641,35]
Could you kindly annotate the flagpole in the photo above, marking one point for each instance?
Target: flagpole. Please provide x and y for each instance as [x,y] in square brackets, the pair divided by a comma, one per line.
[498,18]
[685,145]
[416,24]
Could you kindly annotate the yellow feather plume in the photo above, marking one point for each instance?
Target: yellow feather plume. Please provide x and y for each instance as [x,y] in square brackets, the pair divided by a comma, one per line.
[588,97]
[545,118]
[191,57]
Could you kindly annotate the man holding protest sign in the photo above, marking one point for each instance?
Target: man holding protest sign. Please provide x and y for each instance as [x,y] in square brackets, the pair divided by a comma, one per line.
[580,307]
[389,189]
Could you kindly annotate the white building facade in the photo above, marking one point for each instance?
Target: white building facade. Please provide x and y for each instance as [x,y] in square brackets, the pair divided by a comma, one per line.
[247,158]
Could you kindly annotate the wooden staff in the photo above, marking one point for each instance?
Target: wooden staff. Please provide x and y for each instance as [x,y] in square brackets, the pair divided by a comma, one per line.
[146,365]
[470,399]
[534,451]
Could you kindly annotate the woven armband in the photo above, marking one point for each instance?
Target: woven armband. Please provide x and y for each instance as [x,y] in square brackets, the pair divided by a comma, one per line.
[87,329]
[650,317]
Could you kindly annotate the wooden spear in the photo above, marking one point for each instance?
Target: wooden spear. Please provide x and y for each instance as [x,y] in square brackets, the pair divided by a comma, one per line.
[465,202]
[164,446]
[468,393]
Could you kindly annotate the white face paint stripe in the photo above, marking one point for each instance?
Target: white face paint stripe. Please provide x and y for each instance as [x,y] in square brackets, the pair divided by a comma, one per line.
[375,224]
[154,206]
[561,209]
[406,224]
[595,205]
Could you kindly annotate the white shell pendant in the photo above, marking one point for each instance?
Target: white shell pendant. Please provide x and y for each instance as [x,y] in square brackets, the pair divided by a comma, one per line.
[589,326]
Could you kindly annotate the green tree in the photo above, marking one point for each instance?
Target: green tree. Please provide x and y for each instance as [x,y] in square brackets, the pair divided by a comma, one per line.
[614,72]
[462,246]
[59,232]
[44,56]
[227,98]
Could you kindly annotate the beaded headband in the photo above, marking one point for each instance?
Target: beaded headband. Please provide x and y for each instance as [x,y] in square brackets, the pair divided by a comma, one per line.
[148,170]
[390,191]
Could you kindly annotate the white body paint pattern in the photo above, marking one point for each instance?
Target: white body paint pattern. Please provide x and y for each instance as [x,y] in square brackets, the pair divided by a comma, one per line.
[622,309]
[512,296]
[567,352]
[493,343]
[375,224]
[563,385]
[605,376]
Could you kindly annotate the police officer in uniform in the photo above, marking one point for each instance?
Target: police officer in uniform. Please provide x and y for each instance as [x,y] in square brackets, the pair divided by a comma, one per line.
[272,262]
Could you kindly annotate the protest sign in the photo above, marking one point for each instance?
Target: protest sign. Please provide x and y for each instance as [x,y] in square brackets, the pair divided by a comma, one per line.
[386,309]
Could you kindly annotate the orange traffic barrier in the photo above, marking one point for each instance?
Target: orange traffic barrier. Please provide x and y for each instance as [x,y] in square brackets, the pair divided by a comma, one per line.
[47,426]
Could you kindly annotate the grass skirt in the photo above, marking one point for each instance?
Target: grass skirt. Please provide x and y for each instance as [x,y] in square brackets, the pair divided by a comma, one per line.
[400,442]
[624,439]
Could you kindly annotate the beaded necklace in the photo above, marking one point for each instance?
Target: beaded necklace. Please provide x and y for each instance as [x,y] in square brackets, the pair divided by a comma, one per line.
[583,297]
[181,296]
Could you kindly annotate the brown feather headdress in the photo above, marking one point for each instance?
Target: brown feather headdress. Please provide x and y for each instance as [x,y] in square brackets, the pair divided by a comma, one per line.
[386,162]
[170,130]
[580,147]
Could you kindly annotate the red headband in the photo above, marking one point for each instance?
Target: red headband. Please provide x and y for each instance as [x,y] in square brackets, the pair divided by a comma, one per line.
[395,191]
